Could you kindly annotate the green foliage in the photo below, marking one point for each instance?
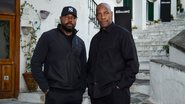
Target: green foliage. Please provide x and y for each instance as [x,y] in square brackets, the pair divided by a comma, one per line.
[134,27]
[166,49]
[179,6]
[29,37]
[157,21]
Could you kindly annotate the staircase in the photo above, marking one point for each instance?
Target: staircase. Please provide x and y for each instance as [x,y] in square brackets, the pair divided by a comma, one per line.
[149,44]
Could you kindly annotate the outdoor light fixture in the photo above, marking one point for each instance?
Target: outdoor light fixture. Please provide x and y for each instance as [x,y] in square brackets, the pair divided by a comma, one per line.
[118,1]
[26,26]
[152,1]
[44,14]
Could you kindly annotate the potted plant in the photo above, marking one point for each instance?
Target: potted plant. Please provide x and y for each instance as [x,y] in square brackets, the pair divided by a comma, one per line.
[30,23]
[28,49]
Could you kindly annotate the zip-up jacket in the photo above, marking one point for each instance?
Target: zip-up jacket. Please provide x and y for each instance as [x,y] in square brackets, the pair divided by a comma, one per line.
[64,62]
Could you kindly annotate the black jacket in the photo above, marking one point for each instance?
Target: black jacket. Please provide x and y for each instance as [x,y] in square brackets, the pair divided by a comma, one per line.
[64,62]
[112,61]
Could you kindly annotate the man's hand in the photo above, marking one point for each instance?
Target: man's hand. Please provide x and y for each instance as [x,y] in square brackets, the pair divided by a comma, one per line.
[46,92]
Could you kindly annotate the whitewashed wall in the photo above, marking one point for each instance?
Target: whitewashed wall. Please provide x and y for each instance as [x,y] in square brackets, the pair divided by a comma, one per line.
[167,85]
[177,56]
[157,10]
[174,8]
[139,14]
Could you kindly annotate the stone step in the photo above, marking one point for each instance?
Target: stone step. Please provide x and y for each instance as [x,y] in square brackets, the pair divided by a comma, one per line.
[144,65]
[158,56]
[139,98]
[32,97]
[151,43]
[148,58]
[157,31]
[143,75]
[141,86]
[151,53]
[155,49]
[160,35]
[175,27]
[144,60]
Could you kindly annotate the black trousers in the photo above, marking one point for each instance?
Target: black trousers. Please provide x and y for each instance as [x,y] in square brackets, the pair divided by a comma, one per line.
[61,96]
[117,96]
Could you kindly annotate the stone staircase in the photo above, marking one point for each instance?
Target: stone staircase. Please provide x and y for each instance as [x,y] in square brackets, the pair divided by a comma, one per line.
[149,44]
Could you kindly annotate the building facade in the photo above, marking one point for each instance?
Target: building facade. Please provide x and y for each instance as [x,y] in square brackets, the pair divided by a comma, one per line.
[143,11]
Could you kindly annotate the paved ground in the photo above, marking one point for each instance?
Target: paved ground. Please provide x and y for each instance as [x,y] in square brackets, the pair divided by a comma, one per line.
[13,101]
[137,98]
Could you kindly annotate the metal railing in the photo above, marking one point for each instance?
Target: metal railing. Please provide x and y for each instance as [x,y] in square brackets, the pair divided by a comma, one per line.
[92,12]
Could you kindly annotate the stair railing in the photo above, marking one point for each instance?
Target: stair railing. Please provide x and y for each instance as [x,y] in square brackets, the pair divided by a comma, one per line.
[92,12]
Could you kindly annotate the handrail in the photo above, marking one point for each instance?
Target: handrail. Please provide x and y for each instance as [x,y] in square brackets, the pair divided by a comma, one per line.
[92,12]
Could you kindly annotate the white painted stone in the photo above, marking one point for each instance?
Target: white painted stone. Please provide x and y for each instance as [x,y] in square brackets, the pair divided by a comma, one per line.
[32,97]
[177,56]
[167,84]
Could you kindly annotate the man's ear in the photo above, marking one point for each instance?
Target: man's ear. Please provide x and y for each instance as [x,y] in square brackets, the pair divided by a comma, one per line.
[111,13]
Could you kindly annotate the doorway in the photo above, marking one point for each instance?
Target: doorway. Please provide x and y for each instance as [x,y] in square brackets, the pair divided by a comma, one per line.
[9,48]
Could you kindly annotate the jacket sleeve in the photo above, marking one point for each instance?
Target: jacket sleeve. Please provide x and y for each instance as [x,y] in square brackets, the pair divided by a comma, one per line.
[129,54]
[37,61]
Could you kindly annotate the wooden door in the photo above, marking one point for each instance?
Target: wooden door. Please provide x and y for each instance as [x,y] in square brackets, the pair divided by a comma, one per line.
[9,48]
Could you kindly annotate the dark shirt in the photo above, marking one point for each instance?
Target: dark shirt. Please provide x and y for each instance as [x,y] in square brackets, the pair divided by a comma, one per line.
[112,60]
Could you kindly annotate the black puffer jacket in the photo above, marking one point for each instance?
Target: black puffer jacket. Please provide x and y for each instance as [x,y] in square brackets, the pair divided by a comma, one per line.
[64,62]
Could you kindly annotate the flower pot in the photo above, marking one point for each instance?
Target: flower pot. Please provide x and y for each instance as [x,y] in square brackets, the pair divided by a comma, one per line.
[30,82]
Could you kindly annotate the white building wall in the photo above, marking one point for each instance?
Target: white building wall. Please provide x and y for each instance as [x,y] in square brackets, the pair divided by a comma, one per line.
[174,8]
[176,56]
[168,89]
[139,14]
[133,13]
[157,10]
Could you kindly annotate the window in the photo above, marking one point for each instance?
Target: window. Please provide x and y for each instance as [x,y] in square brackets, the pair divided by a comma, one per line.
[4,39]
[7,6]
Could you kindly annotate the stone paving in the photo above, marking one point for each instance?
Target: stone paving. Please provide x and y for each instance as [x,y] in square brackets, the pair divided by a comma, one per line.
[137,98]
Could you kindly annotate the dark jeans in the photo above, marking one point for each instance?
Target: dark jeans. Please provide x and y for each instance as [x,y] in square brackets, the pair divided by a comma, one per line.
[61,96]
[117,96]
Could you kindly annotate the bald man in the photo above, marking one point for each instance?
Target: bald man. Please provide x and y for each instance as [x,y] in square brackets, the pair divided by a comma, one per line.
[113,61]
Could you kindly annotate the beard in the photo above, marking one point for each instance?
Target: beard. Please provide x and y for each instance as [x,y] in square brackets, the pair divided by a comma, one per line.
[68,28]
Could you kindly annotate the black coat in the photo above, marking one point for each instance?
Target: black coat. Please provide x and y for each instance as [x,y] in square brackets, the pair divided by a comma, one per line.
[112,61]
[64,61]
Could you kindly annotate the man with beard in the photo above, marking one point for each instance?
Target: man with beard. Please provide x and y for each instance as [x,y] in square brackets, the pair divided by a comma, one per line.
[63,55]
